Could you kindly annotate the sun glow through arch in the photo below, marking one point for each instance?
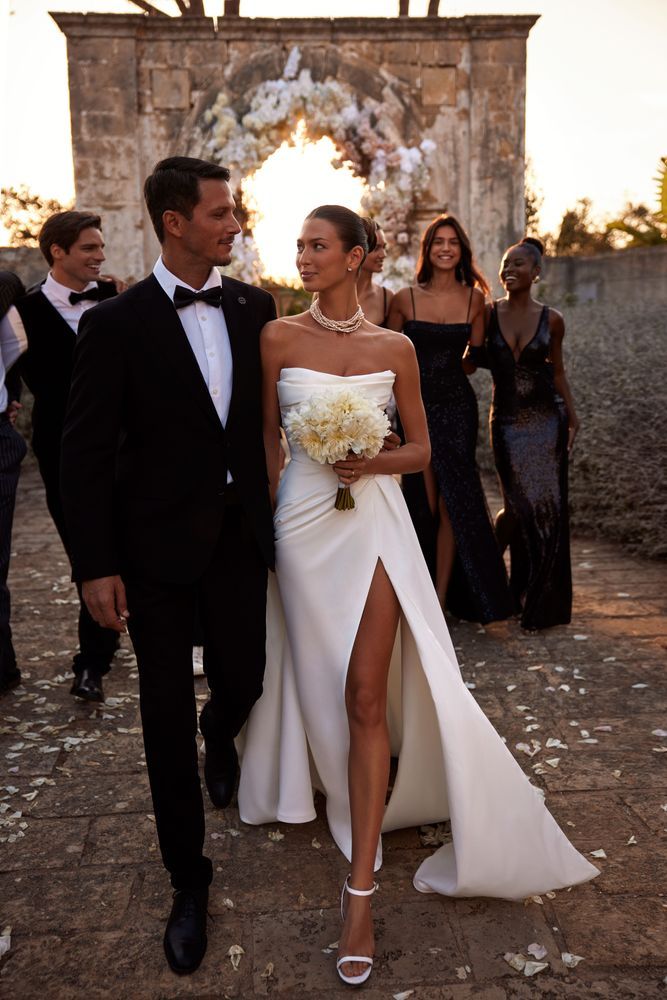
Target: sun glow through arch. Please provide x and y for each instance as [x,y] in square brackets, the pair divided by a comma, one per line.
[300,175]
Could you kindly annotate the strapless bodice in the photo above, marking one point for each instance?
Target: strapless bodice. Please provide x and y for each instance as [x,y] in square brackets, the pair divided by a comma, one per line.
[296,385]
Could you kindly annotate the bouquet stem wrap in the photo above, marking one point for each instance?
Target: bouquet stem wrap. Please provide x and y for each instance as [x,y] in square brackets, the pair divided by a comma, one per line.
[334,424]
[344,498]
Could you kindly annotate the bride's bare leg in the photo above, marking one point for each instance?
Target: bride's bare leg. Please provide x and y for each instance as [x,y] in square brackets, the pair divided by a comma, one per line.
[445,545]
[368,764]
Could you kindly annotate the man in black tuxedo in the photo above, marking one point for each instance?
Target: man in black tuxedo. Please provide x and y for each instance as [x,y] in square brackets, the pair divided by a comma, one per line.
[165,491]
[73,246]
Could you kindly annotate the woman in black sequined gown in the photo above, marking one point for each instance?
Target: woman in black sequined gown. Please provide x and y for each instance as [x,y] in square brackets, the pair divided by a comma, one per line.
[533,426]
[441,315]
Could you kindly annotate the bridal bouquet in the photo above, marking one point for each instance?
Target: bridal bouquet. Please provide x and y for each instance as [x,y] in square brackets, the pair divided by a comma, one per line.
[334,422]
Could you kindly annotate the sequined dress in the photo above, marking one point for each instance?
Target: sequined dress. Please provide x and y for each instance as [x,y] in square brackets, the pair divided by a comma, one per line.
[478,589]
[529,437]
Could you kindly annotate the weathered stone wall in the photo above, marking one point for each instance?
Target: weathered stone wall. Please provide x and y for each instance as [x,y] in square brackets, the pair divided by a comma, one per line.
[626,276]
[135,83]
[27,262]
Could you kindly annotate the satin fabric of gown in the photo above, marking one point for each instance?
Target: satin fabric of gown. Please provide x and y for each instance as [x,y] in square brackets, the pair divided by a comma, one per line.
[478,589]
[451,762]
[529,432]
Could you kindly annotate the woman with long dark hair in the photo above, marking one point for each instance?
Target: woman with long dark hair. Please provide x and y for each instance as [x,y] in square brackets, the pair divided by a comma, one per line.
[442,314]
[374,299]
[533,426]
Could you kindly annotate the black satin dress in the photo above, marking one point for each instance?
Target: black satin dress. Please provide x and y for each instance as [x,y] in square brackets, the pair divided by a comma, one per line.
[478,589]
[529,429]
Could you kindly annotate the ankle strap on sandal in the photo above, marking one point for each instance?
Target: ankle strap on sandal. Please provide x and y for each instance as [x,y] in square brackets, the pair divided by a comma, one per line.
[360,892]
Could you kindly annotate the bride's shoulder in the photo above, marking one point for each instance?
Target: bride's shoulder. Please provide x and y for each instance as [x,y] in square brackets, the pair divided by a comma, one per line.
[283,329]
[397,342]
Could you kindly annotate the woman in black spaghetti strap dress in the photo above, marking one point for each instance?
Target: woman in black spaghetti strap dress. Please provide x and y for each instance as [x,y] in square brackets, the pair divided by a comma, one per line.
[442,315]
[533,426]
[374,299]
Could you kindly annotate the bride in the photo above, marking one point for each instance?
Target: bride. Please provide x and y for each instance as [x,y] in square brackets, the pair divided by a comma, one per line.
[359,660]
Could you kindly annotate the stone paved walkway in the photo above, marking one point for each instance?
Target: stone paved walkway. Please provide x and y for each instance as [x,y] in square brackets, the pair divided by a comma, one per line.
[83,889]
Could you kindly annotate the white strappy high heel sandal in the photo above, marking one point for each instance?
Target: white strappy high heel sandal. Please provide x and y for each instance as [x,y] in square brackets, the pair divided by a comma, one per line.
[344,959]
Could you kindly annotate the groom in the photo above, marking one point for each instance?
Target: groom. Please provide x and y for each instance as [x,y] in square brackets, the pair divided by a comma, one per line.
[165,492]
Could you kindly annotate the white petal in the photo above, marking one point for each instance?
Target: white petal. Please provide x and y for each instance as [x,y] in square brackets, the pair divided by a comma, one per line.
[538,951]
[515,961]
[235,952]
[598,854]
[532,968]
[570,960]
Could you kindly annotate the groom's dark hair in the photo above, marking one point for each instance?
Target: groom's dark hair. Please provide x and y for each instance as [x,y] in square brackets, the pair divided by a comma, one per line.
[174,186]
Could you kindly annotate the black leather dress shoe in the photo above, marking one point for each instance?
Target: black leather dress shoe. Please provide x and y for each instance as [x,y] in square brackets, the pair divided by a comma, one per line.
[220,768]
[185,934]
[88,685]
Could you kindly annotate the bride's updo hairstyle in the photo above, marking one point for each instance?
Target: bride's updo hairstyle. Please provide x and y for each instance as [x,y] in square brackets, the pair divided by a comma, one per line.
[349,226]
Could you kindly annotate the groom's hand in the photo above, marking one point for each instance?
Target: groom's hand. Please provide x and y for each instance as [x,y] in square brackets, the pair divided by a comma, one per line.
[105,599]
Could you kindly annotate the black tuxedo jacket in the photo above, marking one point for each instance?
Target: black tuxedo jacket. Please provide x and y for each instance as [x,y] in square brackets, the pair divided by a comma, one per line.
[46,366]
[144,455]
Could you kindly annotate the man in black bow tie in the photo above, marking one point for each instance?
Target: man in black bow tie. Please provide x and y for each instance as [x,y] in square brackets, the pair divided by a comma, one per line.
[166,496]
[73,247]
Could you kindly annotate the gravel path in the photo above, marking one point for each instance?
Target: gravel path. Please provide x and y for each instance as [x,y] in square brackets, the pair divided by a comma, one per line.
[584,709]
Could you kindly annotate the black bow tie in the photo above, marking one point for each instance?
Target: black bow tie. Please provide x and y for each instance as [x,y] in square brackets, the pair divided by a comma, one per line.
[185,296]
[90,293]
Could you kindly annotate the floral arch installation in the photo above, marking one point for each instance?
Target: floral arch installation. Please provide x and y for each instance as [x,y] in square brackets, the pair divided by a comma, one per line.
[243,133]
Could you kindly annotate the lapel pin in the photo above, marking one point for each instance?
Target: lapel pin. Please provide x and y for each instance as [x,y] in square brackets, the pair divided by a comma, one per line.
[241,300]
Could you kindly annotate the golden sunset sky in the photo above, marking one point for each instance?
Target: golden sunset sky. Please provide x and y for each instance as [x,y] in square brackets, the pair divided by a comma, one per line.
[596,107]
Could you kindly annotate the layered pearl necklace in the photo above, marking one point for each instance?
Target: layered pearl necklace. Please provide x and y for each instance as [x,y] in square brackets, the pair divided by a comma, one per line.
[337,325]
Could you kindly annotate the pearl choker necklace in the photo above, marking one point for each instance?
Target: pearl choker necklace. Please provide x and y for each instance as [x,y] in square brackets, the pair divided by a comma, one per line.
[337,325]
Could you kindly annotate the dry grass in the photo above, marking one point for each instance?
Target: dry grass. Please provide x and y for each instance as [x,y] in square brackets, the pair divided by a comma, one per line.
[617,367]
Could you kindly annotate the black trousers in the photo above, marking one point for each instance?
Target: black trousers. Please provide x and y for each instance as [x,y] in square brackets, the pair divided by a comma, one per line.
[12,452]
[231,601]
[97,645]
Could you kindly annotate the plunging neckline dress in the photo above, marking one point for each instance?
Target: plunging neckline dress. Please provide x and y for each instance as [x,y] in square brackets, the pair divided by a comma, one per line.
[451,762]
[528,421]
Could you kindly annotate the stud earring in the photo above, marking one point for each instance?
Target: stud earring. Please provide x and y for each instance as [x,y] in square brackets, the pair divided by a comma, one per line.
[349,268]
[536,279]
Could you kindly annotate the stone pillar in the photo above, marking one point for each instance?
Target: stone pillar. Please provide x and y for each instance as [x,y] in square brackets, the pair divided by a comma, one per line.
[497,146]
[105,128]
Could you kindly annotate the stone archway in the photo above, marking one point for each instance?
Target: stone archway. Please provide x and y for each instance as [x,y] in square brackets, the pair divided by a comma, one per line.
[137,83]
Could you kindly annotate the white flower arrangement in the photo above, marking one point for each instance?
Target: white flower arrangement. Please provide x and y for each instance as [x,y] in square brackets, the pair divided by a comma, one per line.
[396,175]
[334,422]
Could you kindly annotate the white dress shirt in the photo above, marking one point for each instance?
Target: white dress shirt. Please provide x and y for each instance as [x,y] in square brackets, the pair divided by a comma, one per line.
[13,342]
[206,329]
[58,295]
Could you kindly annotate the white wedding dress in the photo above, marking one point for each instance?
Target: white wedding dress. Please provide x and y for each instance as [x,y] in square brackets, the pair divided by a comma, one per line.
[451,762]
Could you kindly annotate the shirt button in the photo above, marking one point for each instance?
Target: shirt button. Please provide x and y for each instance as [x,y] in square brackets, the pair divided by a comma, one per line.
[203,319]
[211,354]
[214,392]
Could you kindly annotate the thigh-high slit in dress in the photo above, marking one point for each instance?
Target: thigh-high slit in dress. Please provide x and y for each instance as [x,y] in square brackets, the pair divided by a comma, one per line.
[451,762]
[478,589]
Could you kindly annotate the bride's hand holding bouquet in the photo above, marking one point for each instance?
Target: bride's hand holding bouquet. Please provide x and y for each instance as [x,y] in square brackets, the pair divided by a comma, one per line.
[343,428]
